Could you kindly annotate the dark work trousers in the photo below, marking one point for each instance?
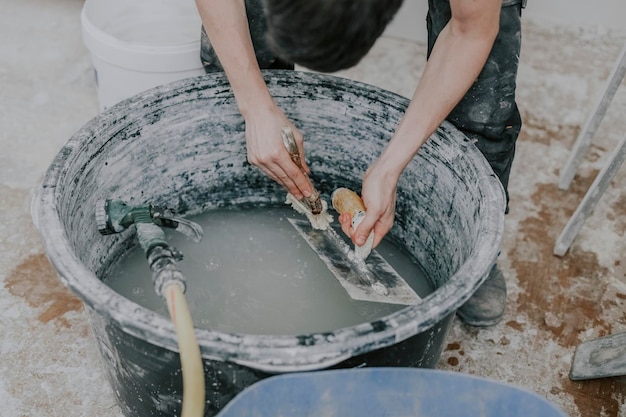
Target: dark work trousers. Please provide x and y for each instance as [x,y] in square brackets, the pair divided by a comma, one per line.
[258,28]
[488,114]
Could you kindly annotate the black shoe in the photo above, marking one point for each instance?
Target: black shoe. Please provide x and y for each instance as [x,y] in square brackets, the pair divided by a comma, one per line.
[486,306]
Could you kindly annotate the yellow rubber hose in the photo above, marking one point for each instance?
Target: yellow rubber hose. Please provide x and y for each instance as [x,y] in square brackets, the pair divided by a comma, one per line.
[190,358]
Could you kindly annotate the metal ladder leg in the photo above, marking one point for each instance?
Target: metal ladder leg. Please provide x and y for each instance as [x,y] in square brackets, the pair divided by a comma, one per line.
[591,198]
[593,121]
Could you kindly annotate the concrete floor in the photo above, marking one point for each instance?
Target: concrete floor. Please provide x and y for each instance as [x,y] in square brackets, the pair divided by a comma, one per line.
[49,364]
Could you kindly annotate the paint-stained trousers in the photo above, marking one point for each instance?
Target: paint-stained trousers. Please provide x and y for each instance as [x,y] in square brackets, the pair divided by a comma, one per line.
[487,114]
[258,28]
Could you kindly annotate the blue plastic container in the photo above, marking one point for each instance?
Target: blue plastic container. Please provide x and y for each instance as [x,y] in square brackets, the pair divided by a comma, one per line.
[388,392]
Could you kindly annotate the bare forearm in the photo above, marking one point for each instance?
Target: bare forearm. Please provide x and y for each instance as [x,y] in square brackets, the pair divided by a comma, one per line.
[457,58]
[226,24]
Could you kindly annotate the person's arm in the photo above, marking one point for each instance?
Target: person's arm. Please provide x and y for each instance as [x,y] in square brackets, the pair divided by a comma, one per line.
[226,24]
[457,58]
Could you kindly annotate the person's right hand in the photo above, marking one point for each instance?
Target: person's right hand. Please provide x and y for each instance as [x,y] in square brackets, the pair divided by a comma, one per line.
[267,151]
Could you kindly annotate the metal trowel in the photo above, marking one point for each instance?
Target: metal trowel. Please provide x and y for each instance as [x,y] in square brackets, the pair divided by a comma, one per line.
[600,358]
[363,273]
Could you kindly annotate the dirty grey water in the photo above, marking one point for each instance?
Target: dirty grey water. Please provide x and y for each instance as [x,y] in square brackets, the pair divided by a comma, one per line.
[253,273]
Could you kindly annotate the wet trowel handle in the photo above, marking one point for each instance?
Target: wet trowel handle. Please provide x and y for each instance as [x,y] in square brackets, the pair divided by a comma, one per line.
[345,200]
[292,147]
[314,202]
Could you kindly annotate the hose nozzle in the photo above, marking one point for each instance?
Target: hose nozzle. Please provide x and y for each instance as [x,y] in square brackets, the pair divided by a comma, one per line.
[115,216]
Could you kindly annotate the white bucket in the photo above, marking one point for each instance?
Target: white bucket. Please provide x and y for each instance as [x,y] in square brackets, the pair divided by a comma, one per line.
[139,44]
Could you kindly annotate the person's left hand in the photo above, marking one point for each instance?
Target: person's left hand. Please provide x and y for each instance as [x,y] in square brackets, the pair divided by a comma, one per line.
[379,197]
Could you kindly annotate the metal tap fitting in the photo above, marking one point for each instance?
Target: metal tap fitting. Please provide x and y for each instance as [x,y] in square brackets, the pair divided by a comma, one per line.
[115,216]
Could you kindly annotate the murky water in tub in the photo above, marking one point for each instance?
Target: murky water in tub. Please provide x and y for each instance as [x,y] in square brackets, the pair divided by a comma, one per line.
[253,273]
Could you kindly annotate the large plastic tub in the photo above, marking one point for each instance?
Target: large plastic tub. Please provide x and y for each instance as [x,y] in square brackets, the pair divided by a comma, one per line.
[182,146]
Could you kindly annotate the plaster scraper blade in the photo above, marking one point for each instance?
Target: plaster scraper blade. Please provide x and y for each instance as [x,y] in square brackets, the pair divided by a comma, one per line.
[600,358]
[370,280]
